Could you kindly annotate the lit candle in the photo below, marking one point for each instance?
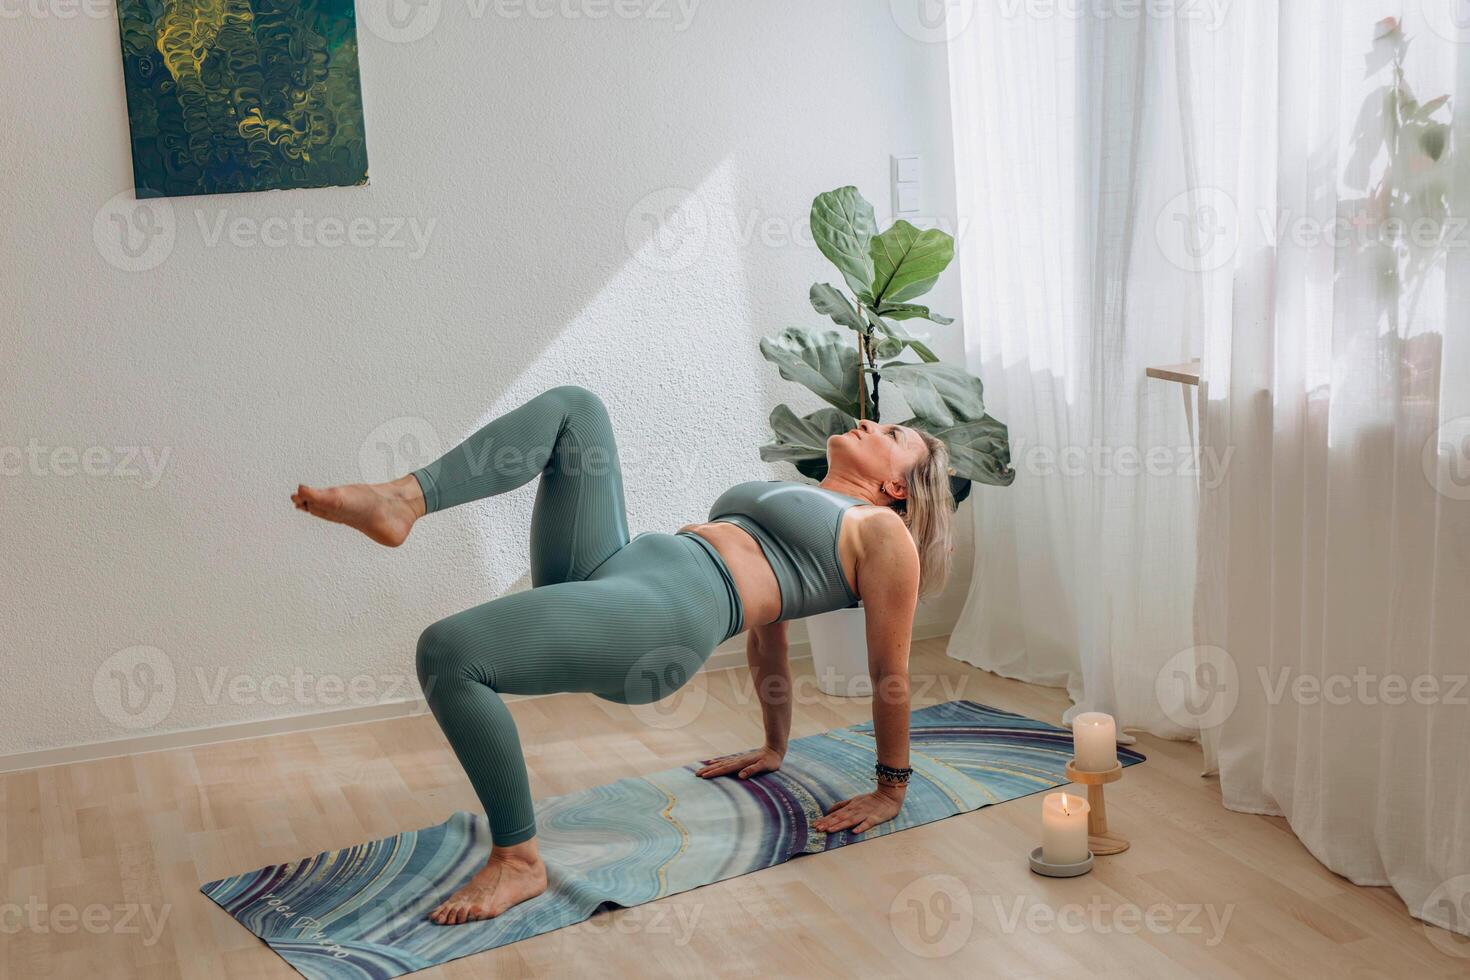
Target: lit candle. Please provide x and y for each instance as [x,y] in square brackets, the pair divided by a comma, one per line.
[1064,829]
[1094,742]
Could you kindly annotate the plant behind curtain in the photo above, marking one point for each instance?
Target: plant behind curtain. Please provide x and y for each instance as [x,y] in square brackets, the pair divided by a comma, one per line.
[1334,601]
[1303,164]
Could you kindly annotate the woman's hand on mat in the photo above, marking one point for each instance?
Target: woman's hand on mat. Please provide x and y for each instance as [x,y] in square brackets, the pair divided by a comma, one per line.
[861,813]
[744,764]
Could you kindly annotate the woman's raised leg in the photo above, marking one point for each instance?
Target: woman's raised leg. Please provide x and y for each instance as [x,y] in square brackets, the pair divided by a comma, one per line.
[553,638]
[563,436]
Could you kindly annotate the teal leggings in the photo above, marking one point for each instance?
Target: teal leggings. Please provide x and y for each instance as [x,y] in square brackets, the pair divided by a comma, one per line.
[627,621]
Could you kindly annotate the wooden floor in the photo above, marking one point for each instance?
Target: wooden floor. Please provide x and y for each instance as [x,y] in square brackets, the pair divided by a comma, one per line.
[102,862]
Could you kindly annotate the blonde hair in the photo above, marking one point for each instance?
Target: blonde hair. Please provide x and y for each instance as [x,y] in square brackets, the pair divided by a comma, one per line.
[929,512]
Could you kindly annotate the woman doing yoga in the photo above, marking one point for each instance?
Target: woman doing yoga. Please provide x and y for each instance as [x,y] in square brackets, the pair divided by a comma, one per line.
[631,621]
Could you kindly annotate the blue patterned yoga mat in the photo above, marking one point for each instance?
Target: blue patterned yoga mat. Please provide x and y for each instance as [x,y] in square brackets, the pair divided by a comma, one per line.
[360,912]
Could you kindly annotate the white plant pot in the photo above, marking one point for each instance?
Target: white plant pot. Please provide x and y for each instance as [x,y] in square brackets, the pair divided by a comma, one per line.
[840,653]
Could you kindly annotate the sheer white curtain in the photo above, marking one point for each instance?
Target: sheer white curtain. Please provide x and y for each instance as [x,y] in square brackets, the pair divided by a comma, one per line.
[1067,132]
[1285,192]
[1334,601]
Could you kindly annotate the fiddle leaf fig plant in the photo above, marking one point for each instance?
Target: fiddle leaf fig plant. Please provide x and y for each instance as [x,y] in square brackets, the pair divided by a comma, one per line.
[884,274]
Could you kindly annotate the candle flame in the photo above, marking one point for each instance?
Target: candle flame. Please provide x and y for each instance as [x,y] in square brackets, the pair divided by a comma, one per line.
[1066,803]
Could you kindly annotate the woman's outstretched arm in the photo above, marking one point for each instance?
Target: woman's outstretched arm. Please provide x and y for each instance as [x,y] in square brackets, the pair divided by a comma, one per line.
[770,670]
[888,581]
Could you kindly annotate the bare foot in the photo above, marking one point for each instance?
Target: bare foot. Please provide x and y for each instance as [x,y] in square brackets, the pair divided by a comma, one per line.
[507,880]
[384,512]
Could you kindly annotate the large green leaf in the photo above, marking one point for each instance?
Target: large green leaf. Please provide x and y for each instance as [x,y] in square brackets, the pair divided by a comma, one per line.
[940,394]
[828,301]
[803,441]
[886,346]
[896,338]
[1433,140]
[844,227]
[825,361]
[910,311]
[907,262]
[978,451]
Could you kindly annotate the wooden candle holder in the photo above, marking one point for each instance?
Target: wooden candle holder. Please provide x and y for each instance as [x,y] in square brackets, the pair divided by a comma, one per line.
[1100,840]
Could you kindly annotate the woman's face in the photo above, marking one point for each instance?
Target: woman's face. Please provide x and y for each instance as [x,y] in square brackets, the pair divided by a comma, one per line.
[878,453]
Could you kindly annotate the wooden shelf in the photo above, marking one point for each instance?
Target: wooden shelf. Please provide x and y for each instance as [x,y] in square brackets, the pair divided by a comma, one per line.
[1185,374]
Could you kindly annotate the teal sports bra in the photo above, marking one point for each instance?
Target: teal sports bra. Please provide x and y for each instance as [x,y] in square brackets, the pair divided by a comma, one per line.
[796,525]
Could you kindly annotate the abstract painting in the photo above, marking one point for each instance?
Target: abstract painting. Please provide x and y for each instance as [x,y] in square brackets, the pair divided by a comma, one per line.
[242,95]
[360,912]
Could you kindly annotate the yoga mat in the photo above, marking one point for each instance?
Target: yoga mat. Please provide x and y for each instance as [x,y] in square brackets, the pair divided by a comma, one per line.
[360,912]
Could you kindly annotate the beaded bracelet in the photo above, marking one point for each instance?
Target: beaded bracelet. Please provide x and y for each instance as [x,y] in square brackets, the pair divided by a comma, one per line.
[892,775]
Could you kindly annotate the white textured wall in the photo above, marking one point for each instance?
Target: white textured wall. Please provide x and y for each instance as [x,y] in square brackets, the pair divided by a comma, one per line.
[528,153]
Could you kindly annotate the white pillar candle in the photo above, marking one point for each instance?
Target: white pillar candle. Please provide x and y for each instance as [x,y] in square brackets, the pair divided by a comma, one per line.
[1064,828]
[1094,742]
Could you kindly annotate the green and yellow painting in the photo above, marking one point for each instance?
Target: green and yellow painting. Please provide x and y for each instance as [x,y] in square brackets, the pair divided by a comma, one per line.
[242,95]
